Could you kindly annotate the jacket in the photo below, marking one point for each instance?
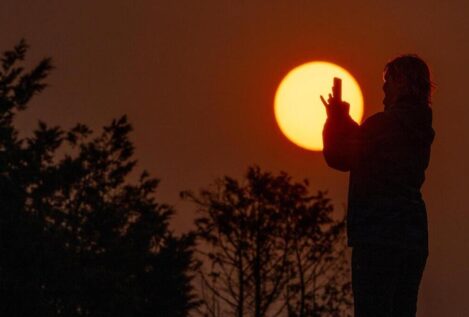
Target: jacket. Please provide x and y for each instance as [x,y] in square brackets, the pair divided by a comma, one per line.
[387,157]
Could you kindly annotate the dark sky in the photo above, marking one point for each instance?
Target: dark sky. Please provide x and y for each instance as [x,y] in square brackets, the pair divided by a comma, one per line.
[197,81]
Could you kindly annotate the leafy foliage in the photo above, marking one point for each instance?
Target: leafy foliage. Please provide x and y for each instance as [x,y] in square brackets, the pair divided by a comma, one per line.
[76,238]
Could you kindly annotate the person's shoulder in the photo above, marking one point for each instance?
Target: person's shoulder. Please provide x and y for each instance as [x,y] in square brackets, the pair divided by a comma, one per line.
[378,120]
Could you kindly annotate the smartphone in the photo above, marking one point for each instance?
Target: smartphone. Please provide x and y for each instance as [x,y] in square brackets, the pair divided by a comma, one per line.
[337,89]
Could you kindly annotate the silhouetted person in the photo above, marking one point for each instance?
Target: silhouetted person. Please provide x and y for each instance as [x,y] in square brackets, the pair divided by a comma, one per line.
[386,219]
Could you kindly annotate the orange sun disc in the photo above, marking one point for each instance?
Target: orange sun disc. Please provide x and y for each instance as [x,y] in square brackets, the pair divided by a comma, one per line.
[299,111]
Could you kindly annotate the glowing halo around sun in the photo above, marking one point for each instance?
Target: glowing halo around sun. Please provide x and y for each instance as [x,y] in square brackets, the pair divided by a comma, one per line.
[300,113]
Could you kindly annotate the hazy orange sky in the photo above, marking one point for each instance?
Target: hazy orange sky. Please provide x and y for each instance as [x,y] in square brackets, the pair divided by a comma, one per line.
[197,81]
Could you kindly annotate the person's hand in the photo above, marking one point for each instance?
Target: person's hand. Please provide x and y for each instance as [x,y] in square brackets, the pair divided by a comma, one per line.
[335,108]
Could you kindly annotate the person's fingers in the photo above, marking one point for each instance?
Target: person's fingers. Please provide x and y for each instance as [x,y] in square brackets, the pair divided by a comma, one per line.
[323,101]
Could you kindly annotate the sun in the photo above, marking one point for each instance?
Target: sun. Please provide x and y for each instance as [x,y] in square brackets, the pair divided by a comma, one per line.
[298,109]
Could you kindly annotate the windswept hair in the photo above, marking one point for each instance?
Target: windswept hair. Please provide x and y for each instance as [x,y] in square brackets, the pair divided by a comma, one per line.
[417,73]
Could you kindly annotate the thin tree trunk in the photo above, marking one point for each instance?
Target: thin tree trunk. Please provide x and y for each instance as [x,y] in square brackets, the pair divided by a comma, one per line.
[240,281]
[257,273]
[302,281]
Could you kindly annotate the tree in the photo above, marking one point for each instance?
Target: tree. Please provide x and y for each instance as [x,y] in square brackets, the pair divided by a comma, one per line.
[319,283]
[76,238]
[270,245]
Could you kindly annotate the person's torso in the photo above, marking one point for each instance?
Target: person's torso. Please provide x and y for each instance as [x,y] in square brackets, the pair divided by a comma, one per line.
[384,187]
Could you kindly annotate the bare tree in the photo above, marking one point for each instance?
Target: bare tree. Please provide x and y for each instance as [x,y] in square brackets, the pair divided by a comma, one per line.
[268,245]
[320,282]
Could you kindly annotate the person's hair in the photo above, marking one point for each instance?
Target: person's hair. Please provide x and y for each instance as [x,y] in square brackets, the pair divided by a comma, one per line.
[417,74]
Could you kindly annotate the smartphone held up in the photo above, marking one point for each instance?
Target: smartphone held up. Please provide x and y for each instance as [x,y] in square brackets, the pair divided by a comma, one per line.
[335,105]
[337,89]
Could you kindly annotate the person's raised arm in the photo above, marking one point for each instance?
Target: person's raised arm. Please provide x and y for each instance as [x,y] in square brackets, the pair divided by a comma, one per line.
[340,136]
